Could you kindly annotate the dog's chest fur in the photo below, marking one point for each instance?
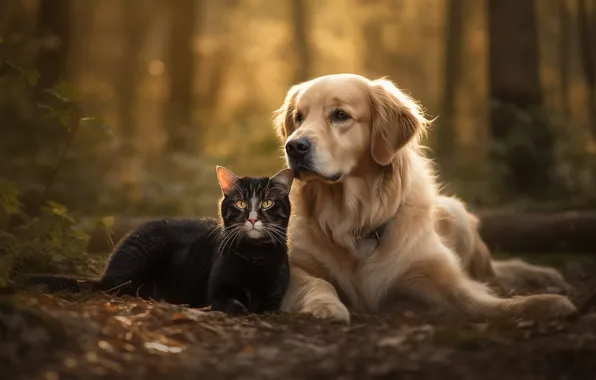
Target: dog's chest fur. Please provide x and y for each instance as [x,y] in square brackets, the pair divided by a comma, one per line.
[363,284]
[345,219]
[362,270]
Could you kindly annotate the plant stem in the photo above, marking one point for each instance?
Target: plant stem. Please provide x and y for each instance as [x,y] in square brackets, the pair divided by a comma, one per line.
[48,186]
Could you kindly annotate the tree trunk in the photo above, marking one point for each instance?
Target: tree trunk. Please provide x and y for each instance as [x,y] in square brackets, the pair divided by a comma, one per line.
[54,36]
[588,57]
[521,134]
[130,69]
[452,75]
[180,63]
[564,53]
[299,17]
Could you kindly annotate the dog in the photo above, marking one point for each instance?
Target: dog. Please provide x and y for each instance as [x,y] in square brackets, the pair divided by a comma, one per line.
[369,225]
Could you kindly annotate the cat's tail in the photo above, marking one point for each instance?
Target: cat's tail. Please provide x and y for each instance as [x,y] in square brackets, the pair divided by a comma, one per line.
[56,283]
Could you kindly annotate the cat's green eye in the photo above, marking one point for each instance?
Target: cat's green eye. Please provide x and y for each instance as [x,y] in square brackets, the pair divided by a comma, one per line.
[241,204]
[266,204]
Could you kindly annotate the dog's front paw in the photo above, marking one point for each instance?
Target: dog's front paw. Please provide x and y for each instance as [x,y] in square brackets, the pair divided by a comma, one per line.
[546,306]
[327,309]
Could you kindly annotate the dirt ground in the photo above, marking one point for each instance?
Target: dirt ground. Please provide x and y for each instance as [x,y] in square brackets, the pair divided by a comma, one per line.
[49,337]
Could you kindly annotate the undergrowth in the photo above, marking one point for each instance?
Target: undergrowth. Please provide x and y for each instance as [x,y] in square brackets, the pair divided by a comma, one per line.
[50,237]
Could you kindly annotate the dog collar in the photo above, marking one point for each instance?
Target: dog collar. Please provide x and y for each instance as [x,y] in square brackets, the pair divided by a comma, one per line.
[375,234]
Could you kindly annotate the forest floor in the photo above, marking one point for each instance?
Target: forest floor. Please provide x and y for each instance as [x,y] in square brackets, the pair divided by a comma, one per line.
[52,337]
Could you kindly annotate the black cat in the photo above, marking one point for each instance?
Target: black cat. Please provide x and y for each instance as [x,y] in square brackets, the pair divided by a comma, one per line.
[237,265]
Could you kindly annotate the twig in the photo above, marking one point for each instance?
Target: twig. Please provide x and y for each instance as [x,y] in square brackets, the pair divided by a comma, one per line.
[117,287]
[139,289]
[109,239]
[54,174]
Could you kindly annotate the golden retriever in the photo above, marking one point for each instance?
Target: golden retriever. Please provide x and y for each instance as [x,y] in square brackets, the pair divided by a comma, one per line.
[369,224]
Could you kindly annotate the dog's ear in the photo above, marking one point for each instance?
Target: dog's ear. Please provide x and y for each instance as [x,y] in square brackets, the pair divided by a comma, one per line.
[396,119]
[283,118]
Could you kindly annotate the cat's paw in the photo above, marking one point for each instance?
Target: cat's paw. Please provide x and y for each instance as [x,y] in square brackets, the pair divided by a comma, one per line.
[327,308]
[236,308]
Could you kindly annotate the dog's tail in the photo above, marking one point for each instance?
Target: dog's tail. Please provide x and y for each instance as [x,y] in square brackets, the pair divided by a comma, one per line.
[56,283]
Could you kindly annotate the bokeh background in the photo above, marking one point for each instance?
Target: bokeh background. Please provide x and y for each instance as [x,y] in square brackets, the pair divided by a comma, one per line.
[176,87]
[113,112]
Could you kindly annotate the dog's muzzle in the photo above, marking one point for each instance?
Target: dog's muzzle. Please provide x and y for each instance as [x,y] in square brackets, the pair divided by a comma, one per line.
[299,154]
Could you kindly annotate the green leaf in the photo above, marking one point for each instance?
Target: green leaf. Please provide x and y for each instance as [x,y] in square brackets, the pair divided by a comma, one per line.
[67,91]
[107,222]
[60,210]
[45,107]
[33,77]
[57,206]
[5,265]
[95,122]
[56,94]
[9,198]
[79,234]
[66,114]
[64,120]
[15,67]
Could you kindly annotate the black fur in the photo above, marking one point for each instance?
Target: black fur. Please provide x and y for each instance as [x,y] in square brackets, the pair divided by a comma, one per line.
[204,262]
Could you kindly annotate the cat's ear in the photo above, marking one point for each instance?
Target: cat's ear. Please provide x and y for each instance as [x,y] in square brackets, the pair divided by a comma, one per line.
[284,178]
[227,180]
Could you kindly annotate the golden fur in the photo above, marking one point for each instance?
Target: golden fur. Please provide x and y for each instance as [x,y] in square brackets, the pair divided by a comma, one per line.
[430,248]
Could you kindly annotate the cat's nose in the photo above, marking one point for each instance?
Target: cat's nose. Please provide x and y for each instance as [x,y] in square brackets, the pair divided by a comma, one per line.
[252,221]
[298,147]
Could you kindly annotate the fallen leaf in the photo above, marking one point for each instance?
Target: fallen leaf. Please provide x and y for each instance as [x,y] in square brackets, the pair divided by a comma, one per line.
[70,363]
[125,321]
[105,346]
[525,324]
[391,341]
[162,347]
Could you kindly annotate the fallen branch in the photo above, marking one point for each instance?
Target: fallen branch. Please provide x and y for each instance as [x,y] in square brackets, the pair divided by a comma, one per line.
[565,232]
[503,231]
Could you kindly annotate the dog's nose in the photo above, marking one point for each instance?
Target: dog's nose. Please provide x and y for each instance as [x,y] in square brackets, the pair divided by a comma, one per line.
[298,147]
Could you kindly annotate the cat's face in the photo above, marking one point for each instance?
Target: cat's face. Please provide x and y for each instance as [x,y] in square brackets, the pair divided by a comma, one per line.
[256,207]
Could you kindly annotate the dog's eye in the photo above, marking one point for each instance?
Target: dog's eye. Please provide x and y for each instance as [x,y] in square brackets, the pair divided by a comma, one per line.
[339,115]
[298,118]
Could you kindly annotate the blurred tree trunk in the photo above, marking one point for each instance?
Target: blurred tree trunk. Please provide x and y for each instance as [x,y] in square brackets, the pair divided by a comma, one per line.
[299,17]
[587,37]
[564,53]
[452,75]
[521,134]
[180,64]
[129,73]
[54,36]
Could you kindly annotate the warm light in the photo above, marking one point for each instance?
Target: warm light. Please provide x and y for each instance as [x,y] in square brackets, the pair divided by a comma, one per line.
[156,68]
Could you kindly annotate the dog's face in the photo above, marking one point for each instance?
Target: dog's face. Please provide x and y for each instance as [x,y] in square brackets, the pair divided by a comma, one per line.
[333,124]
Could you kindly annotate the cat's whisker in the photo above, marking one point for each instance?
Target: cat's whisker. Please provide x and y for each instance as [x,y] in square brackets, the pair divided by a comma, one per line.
[238,233]
[232,232]
[276,236]
[278,229]
[221,230]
